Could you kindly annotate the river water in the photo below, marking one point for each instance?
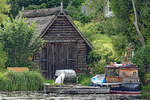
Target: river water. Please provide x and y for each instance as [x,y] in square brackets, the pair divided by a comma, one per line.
[42,96]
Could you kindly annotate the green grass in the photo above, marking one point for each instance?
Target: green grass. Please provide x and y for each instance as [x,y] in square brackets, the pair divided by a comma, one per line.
[51,82]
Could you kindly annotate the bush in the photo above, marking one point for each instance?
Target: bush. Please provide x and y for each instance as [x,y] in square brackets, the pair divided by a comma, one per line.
[85,79]
[21,81]
[142,59]
[3,57]
[99,58]
[146,92]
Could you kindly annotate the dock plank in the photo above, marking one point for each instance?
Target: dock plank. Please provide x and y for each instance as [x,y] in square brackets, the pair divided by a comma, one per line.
[76,89]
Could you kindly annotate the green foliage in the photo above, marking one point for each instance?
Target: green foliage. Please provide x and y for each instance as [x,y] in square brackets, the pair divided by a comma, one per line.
[145,20]
[91,30]
[51,82]
[146,92]
[99,58]
[56,3]
[74,9]
[120,27]
[1,75]
[121,8]
[142,58]
[123,11]
[76,14]
[16,5]
[120,44]
[21,81]
[3,57]
[73,6]
[147,77]
[4,9]
[85,79]
[31,7]
[96,7]
[19,40]
[103,52]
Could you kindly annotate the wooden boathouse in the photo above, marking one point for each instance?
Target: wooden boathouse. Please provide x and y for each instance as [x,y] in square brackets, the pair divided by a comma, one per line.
[66,46]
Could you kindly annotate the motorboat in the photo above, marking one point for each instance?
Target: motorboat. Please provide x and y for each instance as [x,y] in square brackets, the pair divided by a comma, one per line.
[121,78]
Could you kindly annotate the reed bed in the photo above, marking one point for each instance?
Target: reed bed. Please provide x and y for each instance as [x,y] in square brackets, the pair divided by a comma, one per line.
[21,81]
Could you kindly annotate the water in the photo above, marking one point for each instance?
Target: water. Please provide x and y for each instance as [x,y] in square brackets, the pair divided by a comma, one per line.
[42,96]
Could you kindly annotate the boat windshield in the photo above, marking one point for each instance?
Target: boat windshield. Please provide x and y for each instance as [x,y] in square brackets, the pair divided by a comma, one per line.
[112,72]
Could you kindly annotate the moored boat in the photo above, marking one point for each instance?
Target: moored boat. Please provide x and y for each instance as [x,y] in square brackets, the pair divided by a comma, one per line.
[127,75]
[121,78]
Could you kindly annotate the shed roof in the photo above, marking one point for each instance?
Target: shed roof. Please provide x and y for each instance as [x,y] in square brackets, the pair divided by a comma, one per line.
[45,17]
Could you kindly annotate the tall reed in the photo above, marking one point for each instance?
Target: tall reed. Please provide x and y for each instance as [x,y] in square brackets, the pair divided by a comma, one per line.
[21,81]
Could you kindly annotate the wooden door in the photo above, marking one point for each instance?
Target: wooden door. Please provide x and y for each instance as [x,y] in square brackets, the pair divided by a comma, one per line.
[59,56]
[43,62]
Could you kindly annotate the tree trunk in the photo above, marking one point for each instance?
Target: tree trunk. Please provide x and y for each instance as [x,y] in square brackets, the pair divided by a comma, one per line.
[140,36]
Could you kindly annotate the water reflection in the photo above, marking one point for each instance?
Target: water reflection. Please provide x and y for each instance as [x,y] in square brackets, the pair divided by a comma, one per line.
[42,96]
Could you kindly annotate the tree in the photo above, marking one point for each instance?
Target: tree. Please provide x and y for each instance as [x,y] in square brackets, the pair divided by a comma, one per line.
[73,6]
[17,5]
[141,38]
[4,9]
[97,7]
[133,12]
[74,9]
[19,41]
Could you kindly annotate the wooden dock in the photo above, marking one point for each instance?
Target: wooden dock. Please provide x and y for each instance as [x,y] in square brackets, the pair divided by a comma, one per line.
[70,89]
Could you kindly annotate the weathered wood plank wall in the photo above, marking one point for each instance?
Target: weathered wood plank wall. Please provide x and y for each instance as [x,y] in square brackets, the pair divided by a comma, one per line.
[65,48]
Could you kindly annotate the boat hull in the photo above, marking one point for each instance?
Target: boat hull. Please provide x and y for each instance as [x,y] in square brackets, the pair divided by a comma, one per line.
[124,92]
[126,88]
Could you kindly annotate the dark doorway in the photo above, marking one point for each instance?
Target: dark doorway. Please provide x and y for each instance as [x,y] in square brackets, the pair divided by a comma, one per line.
[58,56]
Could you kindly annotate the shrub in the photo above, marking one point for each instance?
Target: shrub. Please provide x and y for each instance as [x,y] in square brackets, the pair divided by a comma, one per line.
[142,59]
[146,92]
[21,81]
[1,75]
[99,58]
[3,57]
[85,79]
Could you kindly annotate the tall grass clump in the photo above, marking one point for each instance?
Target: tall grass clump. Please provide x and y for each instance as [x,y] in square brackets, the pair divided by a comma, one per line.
[21,81]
